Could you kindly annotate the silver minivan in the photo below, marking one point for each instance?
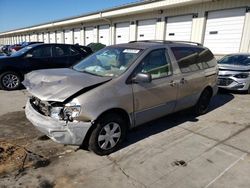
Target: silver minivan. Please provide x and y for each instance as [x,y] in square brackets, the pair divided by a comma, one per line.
[120,87]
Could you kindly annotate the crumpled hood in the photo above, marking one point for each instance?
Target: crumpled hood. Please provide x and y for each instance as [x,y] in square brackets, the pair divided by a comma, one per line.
[58,84]
[234,67]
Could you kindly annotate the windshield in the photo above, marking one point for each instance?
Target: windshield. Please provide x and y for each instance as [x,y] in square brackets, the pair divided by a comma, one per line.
[108,61]
[242,60]
[21,51]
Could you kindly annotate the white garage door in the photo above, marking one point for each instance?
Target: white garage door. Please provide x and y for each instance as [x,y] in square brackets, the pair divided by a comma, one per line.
[46,38]
[27,38]
[33,37]
[40,37]
[59,37]
[104,34]
[68,38]
[23,38]
[77,36]
[224,30]
[122,33]
[146,29]
[89,35]
[179,28]
[18,39]
[52,37]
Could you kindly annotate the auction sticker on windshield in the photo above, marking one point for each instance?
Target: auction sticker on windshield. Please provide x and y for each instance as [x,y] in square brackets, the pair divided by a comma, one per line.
[132,51]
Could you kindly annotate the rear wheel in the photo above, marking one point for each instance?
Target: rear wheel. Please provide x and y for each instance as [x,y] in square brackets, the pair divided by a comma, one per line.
[202,105]
[10,81]
[110,131]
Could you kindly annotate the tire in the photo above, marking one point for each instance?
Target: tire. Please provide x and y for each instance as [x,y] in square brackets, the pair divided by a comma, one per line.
[102,141]
[10,81]
[202,105]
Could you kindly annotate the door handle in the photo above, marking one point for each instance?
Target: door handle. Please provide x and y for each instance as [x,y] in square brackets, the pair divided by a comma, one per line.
[183,81]
[173,83]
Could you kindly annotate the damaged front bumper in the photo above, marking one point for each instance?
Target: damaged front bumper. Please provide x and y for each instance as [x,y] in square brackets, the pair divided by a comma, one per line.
[72,133]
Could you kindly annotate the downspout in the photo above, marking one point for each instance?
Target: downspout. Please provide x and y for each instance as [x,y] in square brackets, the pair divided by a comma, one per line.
[105,19]
[111,40]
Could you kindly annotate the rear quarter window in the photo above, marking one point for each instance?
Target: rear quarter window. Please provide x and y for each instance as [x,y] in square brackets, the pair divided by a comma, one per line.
[192,59]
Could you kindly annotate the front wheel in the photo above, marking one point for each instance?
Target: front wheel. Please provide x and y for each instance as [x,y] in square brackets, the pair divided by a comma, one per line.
[202,105]
[10,81]
[110,131]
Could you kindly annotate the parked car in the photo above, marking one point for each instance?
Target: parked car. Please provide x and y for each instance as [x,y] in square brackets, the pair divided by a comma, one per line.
[234,72]
[14,48]
[5,49]
[96,46]
[38,56]
[118,88]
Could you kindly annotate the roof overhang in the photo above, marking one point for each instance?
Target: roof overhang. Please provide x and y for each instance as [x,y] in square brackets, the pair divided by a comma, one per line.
[134,8]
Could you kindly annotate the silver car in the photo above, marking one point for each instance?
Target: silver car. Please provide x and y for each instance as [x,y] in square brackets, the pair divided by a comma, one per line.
[234,72]
[117,88]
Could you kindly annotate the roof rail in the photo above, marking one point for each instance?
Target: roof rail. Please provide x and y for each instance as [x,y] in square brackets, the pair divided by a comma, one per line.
[168,41]
[188,42]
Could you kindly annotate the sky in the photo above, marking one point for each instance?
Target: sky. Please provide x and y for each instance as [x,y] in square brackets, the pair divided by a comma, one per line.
[22,13]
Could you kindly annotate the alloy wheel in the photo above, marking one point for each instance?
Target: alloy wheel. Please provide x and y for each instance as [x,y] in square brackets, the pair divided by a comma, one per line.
[10,81]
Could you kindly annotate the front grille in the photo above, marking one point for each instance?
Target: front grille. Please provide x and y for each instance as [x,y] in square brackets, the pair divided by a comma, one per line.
[40,106]
[224,81]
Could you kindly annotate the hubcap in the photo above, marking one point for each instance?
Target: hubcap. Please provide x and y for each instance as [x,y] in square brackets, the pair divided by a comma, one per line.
[10,81]
[109,136]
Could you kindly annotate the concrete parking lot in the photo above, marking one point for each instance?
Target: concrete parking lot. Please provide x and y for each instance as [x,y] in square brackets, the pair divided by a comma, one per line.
[175,151]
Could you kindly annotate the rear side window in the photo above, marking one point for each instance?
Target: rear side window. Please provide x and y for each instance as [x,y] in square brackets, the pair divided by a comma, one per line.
[73,51]
[42,52]
[61,51]
[192,59]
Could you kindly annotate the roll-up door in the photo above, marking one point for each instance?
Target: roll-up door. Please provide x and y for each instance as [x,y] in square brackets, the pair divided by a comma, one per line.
[23,38]
[40,37]
[33,37]
[46,37]
[122,33]
[27,38]
[77,36]
[146,29]
[52,37]
[68,38]
[179,28]
[59,37]
[224,30]
[89,35]
[104,34]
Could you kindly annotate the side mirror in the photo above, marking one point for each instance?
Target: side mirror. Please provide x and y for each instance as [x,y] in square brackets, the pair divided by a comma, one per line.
[142,78]
[28,56]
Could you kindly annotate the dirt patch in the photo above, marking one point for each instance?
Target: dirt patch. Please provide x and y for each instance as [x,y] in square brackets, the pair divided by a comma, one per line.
[17,158]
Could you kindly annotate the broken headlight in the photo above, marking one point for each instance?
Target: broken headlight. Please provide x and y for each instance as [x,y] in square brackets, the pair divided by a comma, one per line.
[56,113]
[67,112]
[71,111]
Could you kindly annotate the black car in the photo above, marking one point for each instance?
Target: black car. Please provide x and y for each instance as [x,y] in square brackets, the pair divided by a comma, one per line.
[38,56]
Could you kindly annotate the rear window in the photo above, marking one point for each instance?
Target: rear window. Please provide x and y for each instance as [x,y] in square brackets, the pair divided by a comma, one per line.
[192,59]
